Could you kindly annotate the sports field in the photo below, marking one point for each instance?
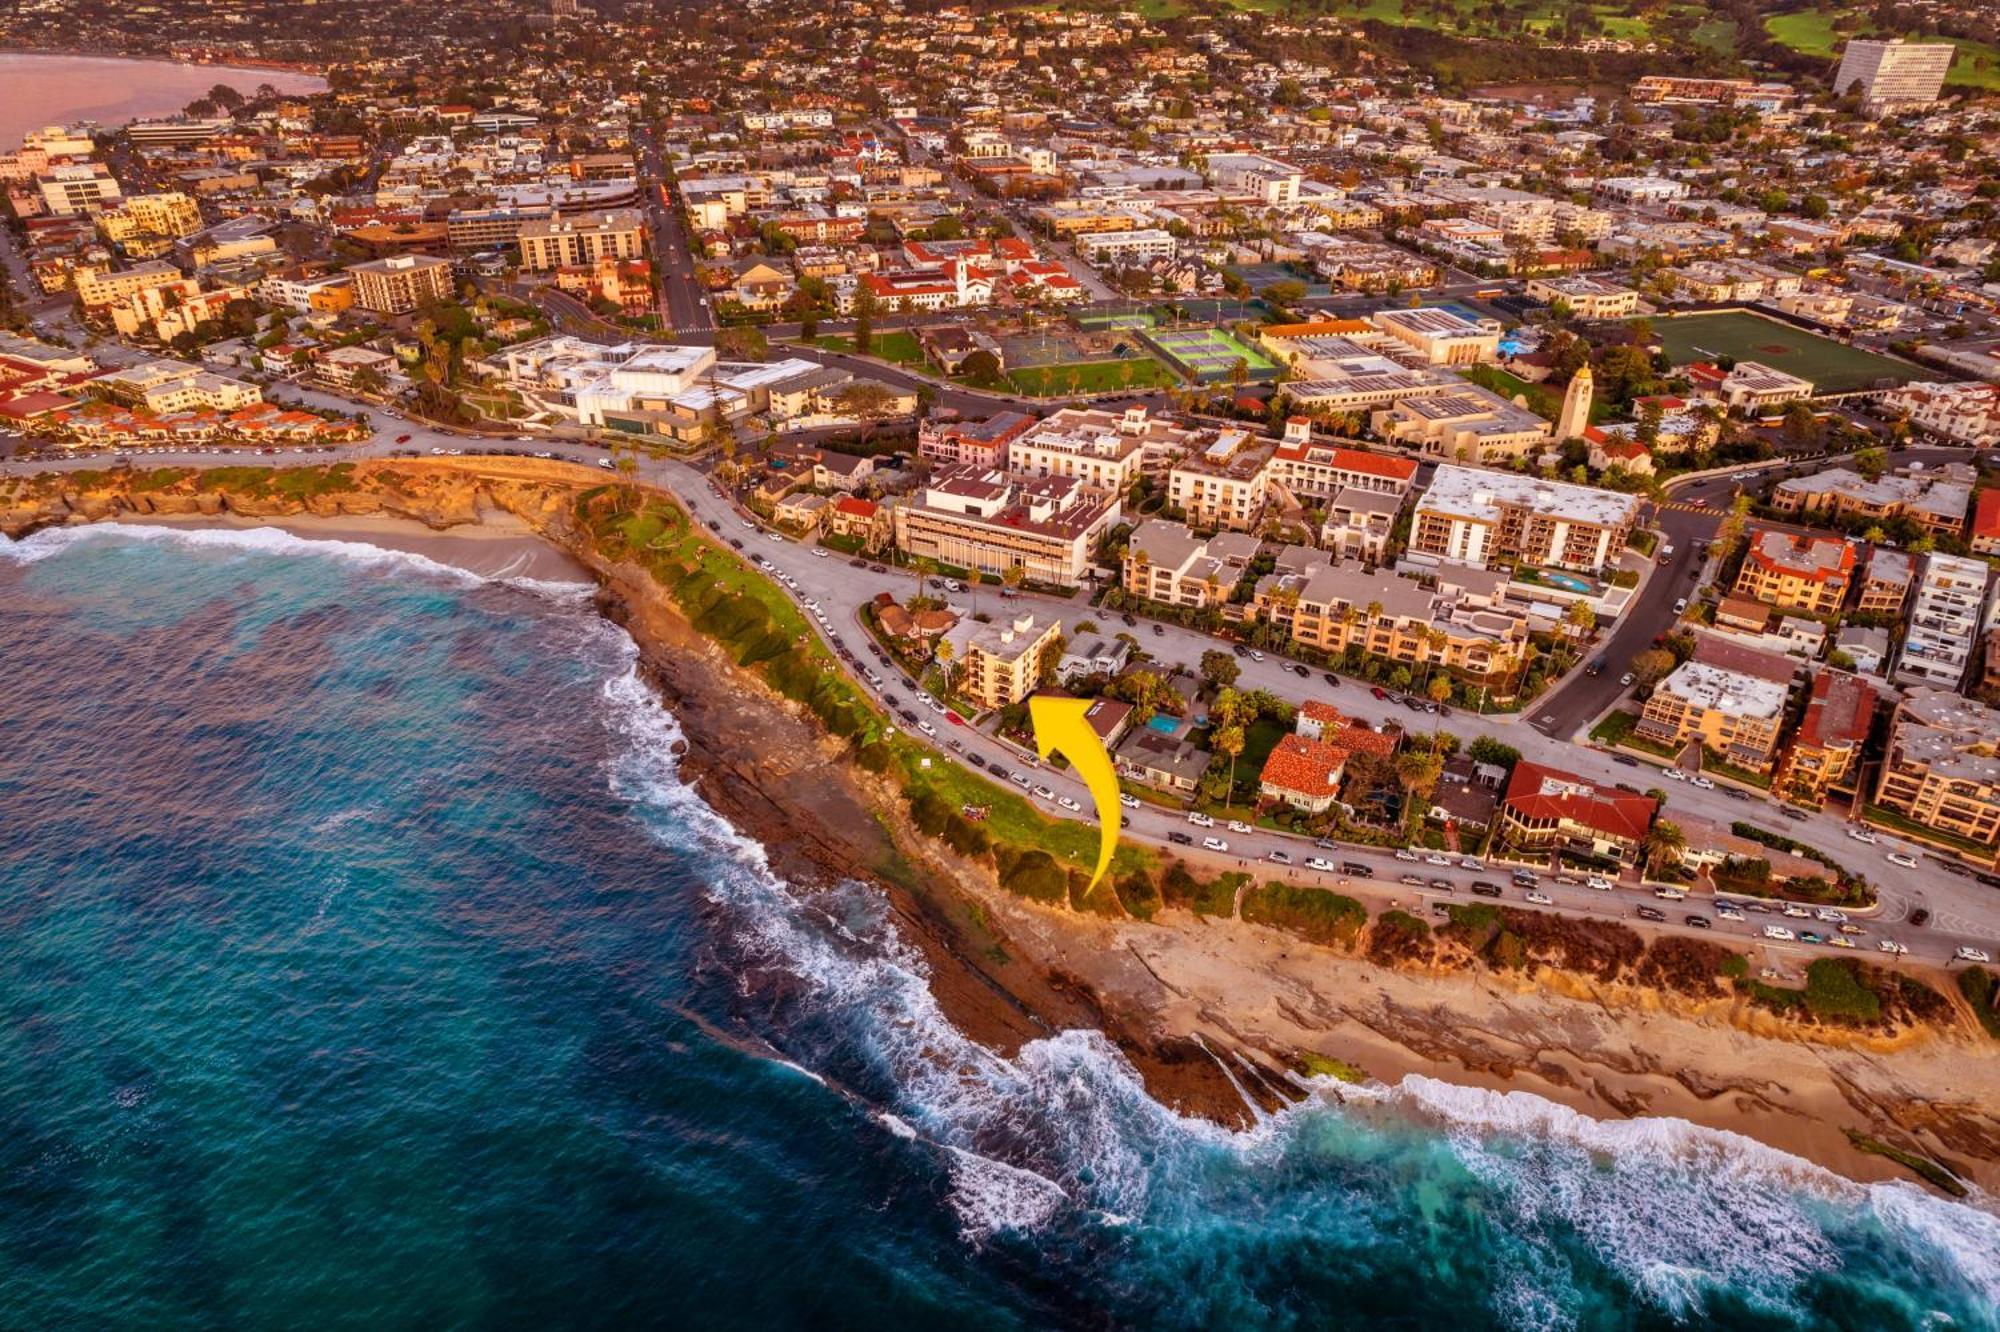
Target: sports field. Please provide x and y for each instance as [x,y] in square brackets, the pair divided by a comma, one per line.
[1832,367]
[1209,354]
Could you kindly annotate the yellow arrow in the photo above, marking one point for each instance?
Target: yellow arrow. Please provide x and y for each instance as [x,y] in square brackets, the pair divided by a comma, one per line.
[1059,724]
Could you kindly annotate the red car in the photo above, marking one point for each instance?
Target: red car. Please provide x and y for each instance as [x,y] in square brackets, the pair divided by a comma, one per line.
[1379,692]
[402,439]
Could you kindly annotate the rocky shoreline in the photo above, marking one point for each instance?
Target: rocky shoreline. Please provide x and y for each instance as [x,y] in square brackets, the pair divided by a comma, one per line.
[1217,1014]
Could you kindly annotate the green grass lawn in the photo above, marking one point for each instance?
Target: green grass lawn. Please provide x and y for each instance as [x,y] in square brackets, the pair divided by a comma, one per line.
[1831,366]
[899,346]
[1049,381]
[1811,32]
[1543,401]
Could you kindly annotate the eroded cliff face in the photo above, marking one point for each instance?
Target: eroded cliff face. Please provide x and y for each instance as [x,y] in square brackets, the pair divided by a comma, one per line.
[442,494]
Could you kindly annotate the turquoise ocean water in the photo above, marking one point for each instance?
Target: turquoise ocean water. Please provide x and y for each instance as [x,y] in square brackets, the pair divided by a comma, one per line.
[364,964]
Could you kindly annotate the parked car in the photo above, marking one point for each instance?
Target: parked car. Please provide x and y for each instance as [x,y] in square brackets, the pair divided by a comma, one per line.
[1214,844]
[1778,932]
[1967,953]
[1899,858]
[1320,863]
[1651,913]
[1180,839]
[1278,858]
[1199,819]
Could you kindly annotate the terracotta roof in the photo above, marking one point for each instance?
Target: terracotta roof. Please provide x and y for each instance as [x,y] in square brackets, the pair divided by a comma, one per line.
[859,508]
[1841,710]
[1986,517]
[1310,768]
[1542,794]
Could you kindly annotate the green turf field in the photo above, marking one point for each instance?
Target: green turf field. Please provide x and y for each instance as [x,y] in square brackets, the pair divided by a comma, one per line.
[1832,367]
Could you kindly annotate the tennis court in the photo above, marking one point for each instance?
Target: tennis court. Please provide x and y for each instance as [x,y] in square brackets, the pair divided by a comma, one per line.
[1129,319]
[1209,354]
[1831,366]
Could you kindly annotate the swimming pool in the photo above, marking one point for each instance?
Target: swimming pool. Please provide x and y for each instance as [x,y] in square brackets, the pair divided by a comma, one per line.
[1164,724]
[1567,582]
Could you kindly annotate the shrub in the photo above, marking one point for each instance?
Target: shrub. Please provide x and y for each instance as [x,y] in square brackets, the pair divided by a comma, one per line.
[1314,914]
[1398,936]
[1978,985]
[1033,874]
[1138,895]
[930,813]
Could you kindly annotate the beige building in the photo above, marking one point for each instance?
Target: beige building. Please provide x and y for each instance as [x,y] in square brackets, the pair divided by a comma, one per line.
[1223,485]
[983,519]
[559,242]
[1107,450]
[1793,572]
[1735,714]
[1400,620]
[1441,337]
[401,283]
[1587,297]
[1000,664]
[1469,424]
[1165,562]
[163,387]
[1943,765]
[149,223]
[98,288]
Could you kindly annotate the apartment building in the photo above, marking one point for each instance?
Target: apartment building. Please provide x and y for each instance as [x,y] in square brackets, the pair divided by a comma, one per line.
[1165,562]
[1942,769]
[1272,183]
[981,444]
[401,283]
[1939,501]
[558,242]
[1894,75]
[1224,484]
[1469,424]
[999,664]
[1794,572]
[1734,713]
[78,187]
[1886,584]
[1478,518]
[1748,386]
[329,292]
[98,289]
[1142,245]
[1963,413]
[1824,752]
[1549,810]
[1308,471]
[1942,631]
[1440,336]
[472,229]
[1336,608]
[1108,450]
[1359,524]
[163,387]
[985,520]
[1586,297]
[149,223]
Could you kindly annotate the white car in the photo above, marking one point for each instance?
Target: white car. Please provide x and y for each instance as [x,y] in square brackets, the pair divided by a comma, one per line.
[1069,804]
[818,553]
[1129,801]
[1041,792]
[1728,912]
[812,605]
[1200,820]
[1899,858]
[926,728]
[1830,916]
[1410,856]
[1472,863]
[1861,835]
[1438,860]
[1839,941]
[1278,858]
[1256,656]
[1214,844]
[1238,826]
[924,697]
[1797,912]
[1892,947]
[1597,881]
[1971,954]
[1702,783]
[1320,863]
[1020,779]
[1539,898]
[1676,774]
[1778,932]
[1669,894]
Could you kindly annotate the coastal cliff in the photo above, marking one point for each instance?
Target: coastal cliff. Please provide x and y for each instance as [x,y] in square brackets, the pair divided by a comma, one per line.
[1222,994]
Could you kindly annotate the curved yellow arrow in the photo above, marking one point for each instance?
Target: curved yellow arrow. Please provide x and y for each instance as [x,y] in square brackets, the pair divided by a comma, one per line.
[1059,724]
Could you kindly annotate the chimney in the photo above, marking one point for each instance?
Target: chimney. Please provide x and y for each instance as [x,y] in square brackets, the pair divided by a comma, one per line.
[1298,430]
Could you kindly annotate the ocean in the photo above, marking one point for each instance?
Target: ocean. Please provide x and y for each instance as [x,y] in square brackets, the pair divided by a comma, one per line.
[365,964]
[38,89]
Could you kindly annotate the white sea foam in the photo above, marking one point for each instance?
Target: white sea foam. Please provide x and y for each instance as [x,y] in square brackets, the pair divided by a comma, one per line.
[1063,1134]
[52,541]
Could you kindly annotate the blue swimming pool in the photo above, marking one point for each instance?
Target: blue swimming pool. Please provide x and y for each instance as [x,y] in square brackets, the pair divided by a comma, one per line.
[1567,582]
[1164,724]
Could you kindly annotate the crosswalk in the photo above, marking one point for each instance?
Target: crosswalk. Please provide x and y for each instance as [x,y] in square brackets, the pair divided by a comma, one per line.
[1682,506]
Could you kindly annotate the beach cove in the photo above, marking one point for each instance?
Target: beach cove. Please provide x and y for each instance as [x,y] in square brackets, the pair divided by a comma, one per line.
[38,88]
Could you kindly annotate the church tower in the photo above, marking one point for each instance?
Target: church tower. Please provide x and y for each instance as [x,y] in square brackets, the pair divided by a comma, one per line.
[1576,407]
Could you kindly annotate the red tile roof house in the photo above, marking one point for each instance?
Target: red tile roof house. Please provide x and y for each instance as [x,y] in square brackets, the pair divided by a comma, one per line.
[1547,809]
[1985,534]
[1305,768]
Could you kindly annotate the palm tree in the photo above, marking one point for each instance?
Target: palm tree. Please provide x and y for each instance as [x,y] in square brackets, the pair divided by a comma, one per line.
[1228,740]
[1663,840]
[943,653]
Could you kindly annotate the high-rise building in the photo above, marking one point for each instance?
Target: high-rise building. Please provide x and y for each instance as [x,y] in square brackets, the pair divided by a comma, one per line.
[401,283]
[1575,417]
[1892,75]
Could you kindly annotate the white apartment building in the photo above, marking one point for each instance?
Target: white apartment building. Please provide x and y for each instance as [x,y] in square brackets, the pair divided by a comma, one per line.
[1309,471]
[1943,629]
[560,242]
[1587,298]
[163,387]
[1126,247]
[81,187]
[1966,413]
[1275,184]
[1224,485]
[1477,517]
[1099,448]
